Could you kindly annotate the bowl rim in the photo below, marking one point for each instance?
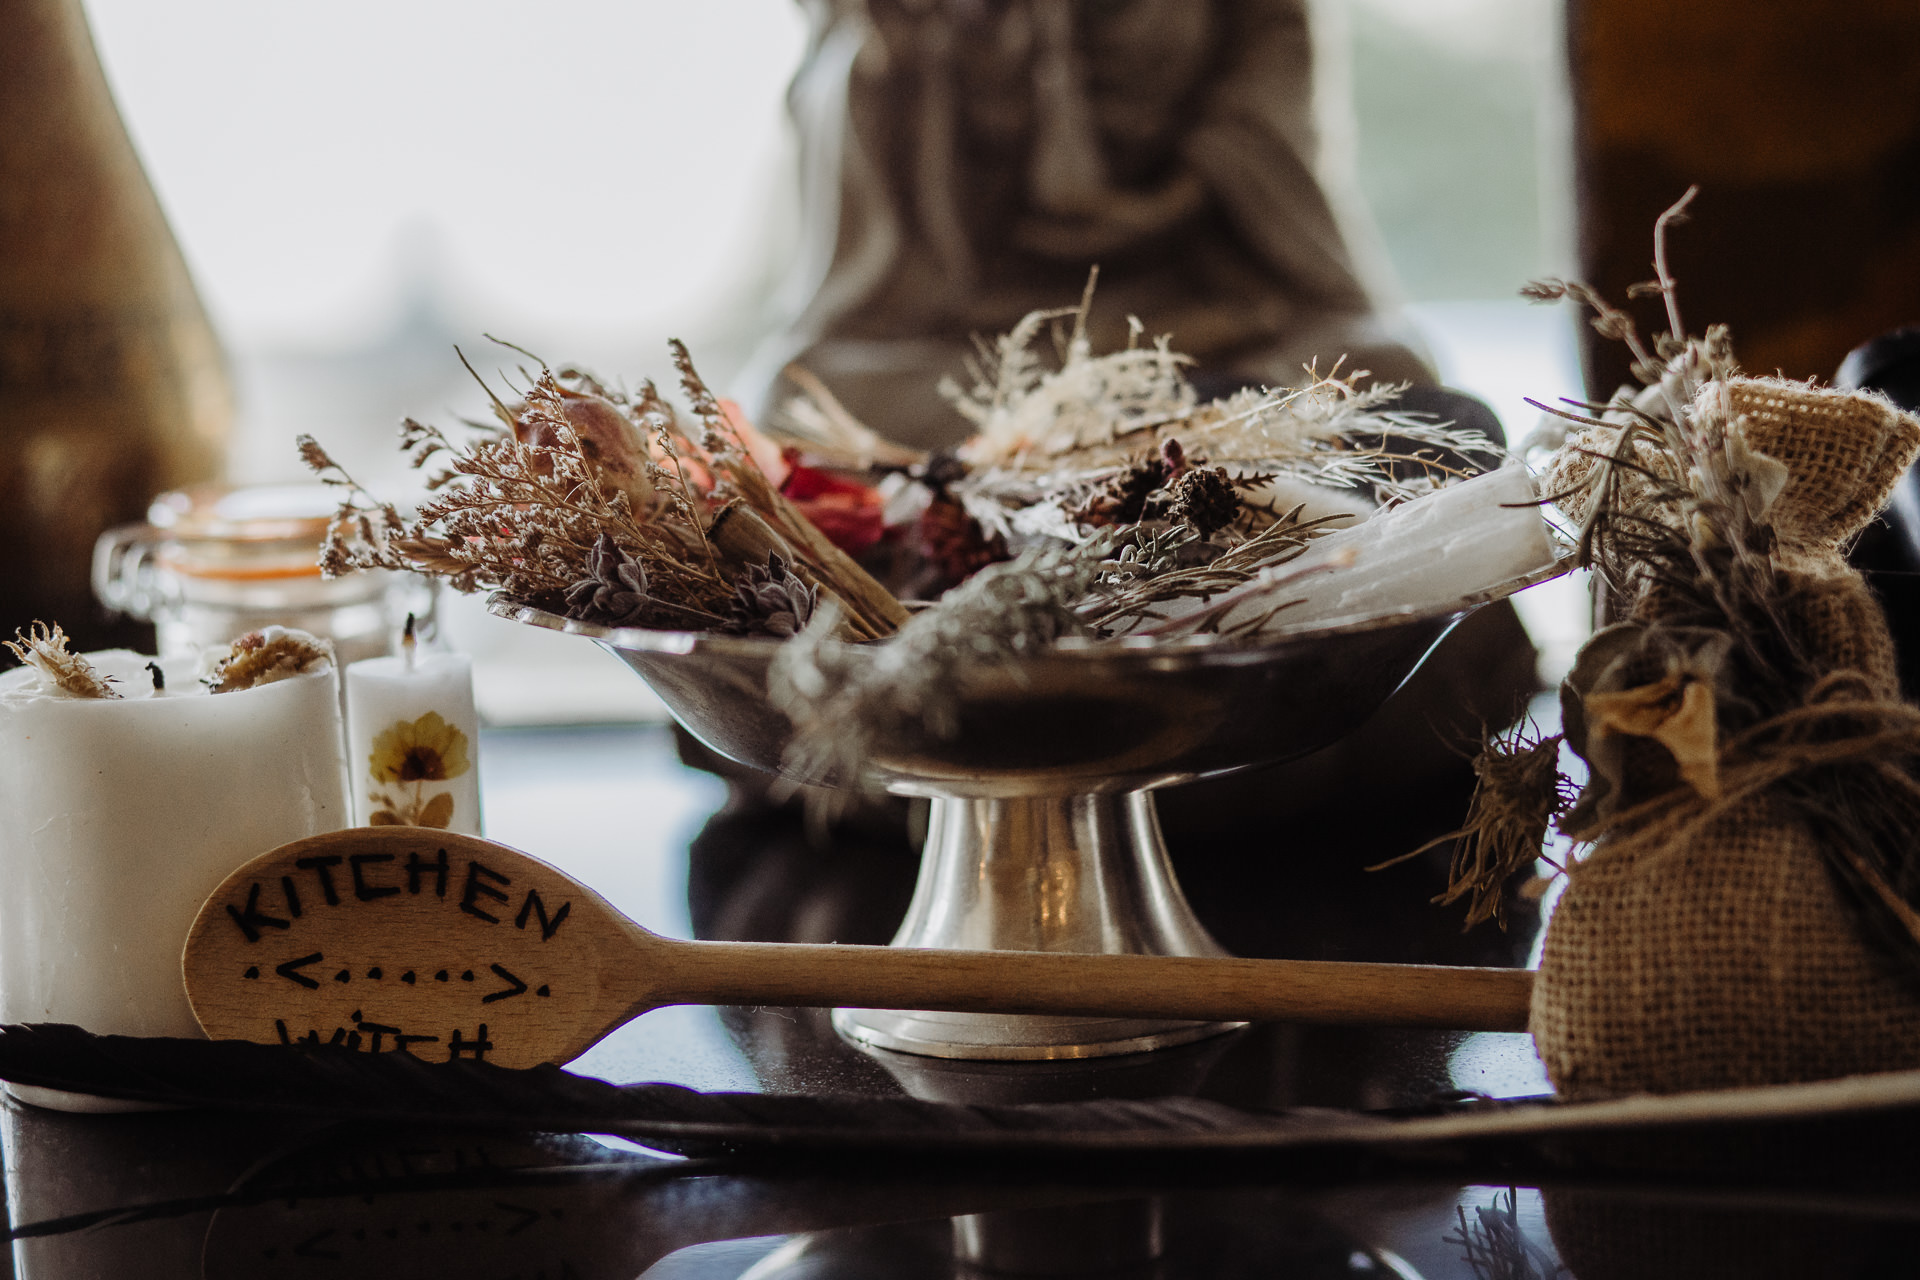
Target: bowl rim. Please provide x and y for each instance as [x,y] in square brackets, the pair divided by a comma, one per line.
[1181,651]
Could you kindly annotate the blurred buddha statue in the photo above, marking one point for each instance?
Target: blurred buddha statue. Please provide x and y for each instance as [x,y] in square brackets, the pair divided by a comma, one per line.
[965,162]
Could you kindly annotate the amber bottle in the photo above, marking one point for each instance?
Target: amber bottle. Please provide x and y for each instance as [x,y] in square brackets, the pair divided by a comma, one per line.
[112,384]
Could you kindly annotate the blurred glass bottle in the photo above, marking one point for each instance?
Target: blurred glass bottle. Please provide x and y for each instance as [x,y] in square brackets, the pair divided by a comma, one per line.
[112,384]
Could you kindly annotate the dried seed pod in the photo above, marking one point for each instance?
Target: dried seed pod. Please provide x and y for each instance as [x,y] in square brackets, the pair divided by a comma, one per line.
[614,592]
[1205,499]
[770,600]
[953,542]
[605,437]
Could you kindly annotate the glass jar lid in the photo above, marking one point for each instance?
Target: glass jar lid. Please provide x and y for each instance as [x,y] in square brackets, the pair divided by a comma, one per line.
[247,534]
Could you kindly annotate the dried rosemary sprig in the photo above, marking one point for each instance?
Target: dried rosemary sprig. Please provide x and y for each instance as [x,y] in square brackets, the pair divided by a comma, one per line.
[1149,573]
[45,650]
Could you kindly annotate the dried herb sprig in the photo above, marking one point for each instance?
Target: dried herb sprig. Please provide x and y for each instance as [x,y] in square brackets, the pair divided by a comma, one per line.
[1095,412]
[1520,795]
[365,532]
[523,517]
[1081,447]
[1673,509]
[1670,498]
[587,499]
[1667,497]
[844,699]
[1022,408]
[1148,572]
[45,650]
[869,608]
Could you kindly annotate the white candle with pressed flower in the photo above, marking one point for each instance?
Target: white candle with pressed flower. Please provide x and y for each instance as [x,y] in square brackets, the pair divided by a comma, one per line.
[412,741]
[119,815]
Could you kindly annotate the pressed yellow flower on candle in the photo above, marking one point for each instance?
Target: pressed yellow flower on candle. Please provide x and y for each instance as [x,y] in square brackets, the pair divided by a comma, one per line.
[417,752]
[415,740]
[428,749]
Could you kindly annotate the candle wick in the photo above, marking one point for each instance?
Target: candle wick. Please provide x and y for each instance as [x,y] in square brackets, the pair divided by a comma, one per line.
[408,643]
[159,677]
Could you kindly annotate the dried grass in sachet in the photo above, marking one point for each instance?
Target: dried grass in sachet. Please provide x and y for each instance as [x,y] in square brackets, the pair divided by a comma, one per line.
[1743,914]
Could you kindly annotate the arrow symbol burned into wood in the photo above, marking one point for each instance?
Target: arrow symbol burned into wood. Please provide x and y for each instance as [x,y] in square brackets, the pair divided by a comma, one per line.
[517,988]
[287,970]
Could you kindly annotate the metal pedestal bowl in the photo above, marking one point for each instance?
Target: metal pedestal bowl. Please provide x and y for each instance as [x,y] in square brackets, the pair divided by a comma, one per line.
[1043,834]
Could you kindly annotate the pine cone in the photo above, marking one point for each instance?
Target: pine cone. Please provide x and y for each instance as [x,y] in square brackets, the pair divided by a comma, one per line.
[615,593]
[951,541]
[770,601]
[1124,498]
[1204,499]
[1138,493]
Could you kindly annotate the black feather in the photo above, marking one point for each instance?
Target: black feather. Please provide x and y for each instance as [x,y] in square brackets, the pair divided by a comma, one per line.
[338,1083]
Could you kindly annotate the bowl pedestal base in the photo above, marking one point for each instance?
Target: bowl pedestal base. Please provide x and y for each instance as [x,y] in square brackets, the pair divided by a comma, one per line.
[1082,873]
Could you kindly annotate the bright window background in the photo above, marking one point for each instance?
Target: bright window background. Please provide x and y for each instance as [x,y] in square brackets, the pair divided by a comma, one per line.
[361,185]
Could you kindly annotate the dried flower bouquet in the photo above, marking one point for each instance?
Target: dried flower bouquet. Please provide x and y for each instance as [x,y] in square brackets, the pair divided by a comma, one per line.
[1096,488]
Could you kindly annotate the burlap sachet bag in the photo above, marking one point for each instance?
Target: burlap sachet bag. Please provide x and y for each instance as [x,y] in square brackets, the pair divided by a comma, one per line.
[1706,941]
[1743,913]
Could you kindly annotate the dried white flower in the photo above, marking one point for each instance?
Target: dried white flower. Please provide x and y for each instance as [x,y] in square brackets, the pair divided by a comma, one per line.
[45,650]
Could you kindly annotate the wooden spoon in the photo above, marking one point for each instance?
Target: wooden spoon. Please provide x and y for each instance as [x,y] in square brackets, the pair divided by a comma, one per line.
[446,946]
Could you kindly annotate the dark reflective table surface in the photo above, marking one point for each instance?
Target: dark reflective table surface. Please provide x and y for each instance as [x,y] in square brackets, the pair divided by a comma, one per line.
[1270,867]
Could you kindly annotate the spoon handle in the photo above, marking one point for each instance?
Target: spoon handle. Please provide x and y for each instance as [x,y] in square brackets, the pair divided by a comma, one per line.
[1131,986]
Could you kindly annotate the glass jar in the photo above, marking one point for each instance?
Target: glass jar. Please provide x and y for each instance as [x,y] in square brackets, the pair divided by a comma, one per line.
[212,563]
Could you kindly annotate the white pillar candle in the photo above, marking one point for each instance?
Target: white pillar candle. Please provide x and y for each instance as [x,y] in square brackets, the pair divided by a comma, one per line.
[413,740]
[119,816]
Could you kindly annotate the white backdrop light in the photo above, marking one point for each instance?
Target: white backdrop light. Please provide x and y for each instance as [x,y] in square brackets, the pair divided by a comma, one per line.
[574,163]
